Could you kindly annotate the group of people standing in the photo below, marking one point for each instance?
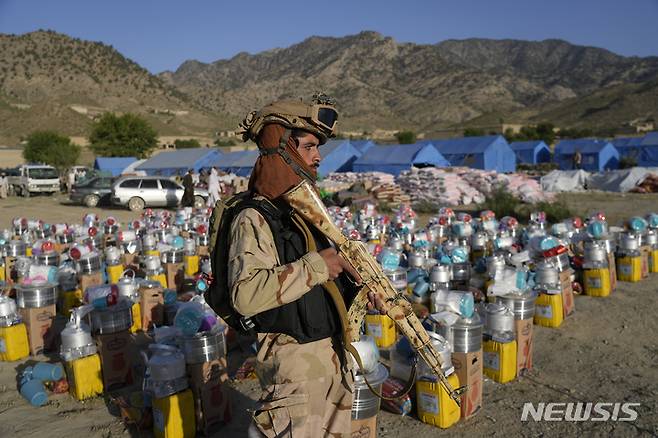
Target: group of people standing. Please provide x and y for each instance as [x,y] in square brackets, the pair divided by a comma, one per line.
[214,187]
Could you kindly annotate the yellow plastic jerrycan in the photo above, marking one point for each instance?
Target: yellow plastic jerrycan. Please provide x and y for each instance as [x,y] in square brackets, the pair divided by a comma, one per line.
[382,329]
[597,282]
[499,360]
[653,261]
[435,406]
[548,310]
[14,343]
[69,300]
[84,377]
[114,273]
[191,263]
[173,416]
[629,268]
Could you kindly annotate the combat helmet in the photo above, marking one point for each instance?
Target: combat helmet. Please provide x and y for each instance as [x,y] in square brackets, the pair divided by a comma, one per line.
[318,117]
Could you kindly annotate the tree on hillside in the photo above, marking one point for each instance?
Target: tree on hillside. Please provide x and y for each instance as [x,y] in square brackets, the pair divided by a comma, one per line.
[406,137]
[51,148]
[473,132]
[187,144]
[122,136]
[542,131]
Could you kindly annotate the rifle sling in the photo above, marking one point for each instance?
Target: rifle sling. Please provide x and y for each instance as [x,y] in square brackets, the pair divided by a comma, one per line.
[339,302]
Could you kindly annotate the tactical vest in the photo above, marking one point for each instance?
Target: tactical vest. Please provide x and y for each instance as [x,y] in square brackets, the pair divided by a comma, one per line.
[313,316]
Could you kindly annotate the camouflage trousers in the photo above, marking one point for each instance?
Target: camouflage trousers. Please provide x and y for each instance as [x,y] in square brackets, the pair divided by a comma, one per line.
[307,389]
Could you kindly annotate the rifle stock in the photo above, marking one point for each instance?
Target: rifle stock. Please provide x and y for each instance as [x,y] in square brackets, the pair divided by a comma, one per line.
[305,200]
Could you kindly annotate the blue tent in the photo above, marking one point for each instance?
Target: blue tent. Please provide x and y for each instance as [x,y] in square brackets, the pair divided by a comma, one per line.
[531,152]
[644,150]
[113,165]
[239,163]
[362,145]
[397,158]
[337,156]
[491,152]
[597,155]
[649,155]
[628,147]
[169,163]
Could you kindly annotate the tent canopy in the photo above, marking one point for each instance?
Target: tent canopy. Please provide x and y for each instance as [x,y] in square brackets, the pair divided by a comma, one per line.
[531,152]
[113,165]
[643,149]
[337,156]
[490,152]
[178,162]
[597,155]
[362,145]
[239,163]
[396,158]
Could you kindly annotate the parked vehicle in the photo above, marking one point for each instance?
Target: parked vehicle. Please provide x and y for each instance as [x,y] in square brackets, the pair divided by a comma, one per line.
[93,192]
[34,178]
[138,192]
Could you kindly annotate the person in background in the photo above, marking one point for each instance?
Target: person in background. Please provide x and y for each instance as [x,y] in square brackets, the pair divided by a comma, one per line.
[4,185]
[188,195]
[70,180]
[577,160]
[214,189]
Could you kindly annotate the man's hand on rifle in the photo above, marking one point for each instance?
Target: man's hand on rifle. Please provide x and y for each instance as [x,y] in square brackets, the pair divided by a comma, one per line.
[337,264]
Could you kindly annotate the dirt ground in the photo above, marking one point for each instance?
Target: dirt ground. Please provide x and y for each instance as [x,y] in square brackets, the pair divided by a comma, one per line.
[606,352]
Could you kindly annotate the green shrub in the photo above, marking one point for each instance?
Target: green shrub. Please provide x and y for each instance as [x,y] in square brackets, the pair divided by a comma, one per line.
[426,207]
[627,162]
[501,202]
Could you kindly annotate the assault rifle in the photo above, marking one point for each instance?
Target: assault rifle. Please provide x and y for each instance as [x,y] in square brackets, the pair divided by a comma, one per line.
[305,200]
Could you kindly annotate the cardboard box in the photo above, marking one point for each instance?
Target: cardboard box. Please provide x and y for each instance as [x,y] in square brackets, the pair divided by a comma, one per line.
[469,369]
[212,399]
[151,304]
[646,253]
[175,273]
[612,266]
[523,344]
[116,350]
[88,280]
[10,274]
[568,303]
[202,251]
[39,324]
[61,248]
[130,261]
[365,428]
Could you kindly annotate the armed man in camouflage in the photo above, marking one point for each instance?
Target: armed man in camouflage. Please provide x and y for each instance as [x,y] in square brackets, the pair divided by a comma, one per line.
[280,269]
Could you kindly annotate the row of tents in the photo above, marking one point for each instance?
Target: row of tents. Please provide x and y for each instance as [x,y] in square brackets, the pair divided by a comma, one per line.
[487,153]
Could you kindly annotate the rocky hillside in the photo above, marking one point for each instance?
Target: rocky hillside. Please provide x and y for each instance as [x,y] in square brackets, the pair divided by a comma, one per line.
[49,80]
[382,83]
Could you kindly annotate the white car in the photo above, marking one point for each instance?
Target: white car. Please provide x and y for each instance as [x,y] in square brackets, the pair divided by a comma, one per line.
[138,192]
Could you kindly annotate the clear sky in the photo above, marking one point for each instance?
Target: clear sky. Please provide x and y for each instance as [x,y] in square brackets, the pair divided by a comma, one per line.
[161,34]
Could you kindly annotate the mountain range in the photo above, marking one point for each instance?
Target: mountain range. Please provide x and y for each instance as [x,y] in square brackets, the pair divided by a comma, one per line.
[54,81]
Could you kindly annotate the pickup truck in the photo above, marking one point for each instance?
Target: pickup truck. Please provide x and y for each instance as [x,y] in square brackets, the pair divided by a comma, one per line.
[34,178]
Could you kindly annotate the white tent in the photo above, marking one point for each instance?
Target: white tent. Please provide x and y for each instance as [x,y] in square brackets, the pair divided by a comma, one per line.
[130,170]
[619,180]
[565,181]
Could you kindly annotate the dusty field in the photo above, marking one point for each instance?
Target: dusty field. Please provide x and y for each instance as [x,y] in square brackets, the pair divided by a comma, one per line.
[606,352]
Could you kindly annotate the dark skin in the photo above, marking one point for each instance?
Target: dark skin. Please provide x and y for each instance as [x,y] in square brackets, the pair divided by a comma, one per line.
[308,148]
